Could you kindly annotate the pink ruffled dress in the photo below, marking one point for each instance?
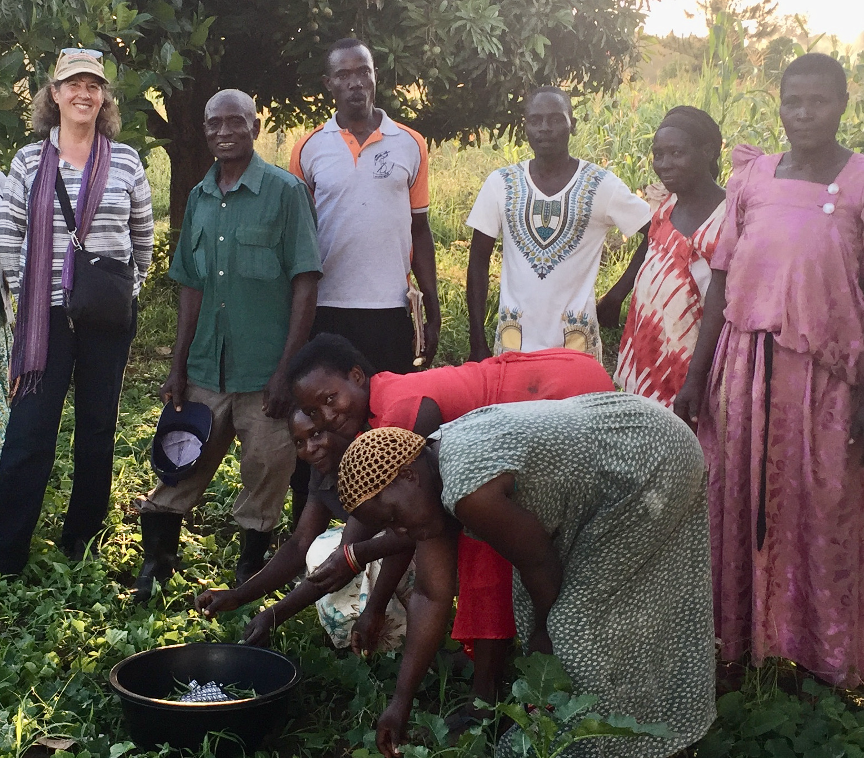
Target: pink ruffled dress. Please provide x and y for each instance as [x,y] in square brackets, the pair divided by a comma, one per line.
[785,489]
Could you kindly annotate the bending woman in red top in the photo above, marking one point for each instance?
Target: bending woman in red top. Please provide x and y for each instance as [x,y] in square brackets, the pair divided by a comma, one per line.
[332,384]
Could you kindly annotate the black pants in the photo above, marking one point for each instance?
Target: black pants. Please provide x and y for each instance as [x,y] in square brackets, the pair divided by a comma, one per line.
[385,336]
[96,360]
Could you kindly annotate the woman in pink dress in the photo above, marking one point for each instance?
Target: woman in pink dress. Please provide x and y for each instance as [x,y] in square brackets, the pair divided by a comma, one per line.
[782,419]
[666,310]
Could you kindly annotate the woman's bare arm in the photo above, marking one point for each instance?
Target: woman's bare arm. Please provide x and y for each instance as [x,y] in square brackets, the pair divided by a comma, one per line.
[689,400]
[428,614]
[287,563]
[519,537]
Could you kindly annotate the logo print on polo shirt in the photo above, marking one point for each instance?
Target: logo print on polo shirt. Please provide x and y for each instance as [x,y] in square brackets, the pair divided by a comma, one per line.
[383,167]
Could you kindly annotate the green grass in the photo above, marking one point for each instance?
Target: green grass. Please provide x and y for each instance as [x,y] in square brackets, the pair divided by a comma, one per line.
[63,626]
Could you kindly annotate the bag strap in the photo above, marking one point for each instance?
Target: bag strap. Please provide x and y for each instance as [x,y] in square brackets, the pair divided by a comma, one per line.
[69,216]
[66,207]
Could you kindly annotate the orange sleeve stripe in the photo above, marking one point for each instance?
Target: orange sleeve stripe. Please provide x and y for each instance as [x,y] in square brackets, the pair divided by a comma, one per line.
[419,192]
[294,166]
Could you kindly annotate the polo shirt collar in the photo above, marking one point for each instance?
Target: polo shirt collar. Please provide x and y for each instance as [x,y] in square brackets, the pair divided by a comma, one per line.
[251,178]
[388,125]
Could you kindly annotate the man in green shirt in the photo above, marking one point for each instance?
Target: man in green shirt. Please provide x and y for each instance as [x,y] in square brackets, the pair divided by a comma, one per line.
[249,265]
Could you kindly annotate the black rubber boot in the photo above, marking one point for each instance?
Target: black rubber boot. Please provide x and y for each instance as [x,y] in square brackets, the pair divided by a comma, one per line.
[253,545]
[160,537]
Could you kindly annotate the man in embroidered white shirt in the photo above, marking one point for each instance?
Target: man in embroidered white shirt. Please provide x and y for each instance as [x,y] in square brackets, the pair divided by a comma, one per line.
[553,213]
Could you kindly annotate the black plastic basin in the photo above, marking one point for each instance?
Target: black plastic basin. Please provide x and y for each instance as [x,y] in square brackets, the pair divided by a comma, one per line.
[144,680]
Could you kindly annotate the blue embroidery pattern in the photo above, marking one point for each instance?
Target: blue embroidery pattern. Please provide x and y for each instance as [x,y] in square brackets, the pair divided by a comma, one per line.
[548,231]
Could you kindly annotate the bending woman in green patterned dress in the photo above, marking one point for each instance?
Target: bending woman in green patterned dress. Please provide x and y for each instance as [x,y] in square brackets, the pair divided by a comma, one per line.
[599,503]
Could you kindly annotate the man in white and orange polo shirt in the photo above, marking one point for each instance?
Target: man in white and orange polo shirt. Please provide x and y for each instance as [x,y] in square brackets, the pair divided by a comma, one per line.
[370,179]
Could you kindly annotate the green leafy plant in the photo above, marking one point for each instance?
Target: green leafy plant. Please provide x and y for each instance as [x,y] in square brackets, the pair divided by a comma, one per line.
[764,721]
[550,718]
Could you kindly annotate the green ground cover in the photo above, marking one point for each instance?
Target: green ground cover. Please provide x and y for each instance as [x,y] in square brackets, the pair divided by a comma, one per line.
[63,626]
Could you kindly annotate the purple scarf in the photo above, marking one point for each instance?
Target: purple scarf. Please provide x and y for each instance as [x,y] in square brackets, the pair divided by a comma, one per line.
[30,346]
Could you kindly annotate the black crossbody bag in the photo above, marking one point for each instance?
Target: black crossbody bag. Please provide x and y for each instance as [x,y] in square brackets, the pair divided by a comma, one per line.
[101,295]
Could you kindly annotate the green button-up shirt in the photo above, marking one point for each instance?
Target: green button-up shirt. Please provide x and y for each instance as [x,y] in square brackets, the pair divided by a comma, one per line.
[242,250]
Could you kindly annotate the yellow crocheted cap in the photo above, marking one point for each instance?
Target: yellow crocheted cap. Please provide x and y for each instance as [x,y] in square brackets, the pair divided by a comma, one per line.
[373,460]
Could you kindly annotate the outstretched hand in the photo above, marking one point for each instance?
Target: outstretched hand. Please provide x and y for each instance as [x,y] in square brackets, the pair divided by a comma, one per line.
[258,630]
[366,633]
[390,731]
[333,574]
[212,602]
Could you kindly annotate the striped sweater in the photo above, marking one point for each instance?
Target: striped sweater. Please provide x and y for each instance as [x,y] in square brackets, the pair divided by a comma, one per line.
[123,223]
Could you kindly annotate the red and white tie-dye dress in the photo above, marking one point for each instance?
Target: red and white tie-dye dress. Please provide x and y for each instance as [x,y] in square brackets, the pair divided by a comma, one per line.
[666,308]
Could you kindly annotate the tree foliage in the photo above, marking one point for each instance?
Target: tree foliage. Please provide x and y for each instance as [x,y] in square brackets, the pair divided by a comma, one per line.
[449,67]
[32,32]
[457,67]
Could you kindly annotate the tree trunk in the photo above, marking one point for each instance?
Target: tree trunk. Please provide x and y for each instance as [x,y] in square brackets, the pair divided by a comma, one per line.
[187,151]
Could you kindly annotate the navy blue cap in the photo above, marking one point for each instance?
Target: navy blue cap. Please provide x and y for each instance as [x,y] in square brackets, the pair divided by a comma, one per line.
[193,418]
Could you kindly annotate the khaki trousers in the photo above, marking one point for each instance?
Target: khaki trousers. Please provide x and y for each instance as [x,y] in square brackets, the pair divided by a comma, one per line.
[266,461]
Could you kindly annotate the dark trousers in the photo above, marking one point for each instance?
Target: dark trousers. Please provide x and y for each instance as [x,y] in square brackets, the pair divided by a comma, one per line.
[385,336]
[96,360]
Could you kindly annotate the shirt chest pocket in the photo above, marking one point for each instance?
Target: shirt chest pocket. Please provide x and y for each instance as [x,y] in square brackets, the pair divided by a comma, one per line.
[254,257]
[199,252]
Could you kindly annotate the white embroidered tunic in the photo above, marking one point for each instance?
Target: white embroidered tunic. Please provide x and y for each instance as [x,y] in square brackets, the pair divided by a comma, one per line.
[551,252]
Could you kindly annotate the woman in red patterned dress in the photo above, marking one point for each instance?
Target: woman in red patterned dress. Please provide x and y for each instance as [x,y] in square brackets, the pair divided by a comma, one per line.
[666,309]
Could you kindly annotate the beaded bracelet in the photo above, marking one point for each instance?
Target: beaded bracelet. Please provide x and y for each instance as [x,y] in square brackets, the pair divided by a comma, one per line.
[348,551]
